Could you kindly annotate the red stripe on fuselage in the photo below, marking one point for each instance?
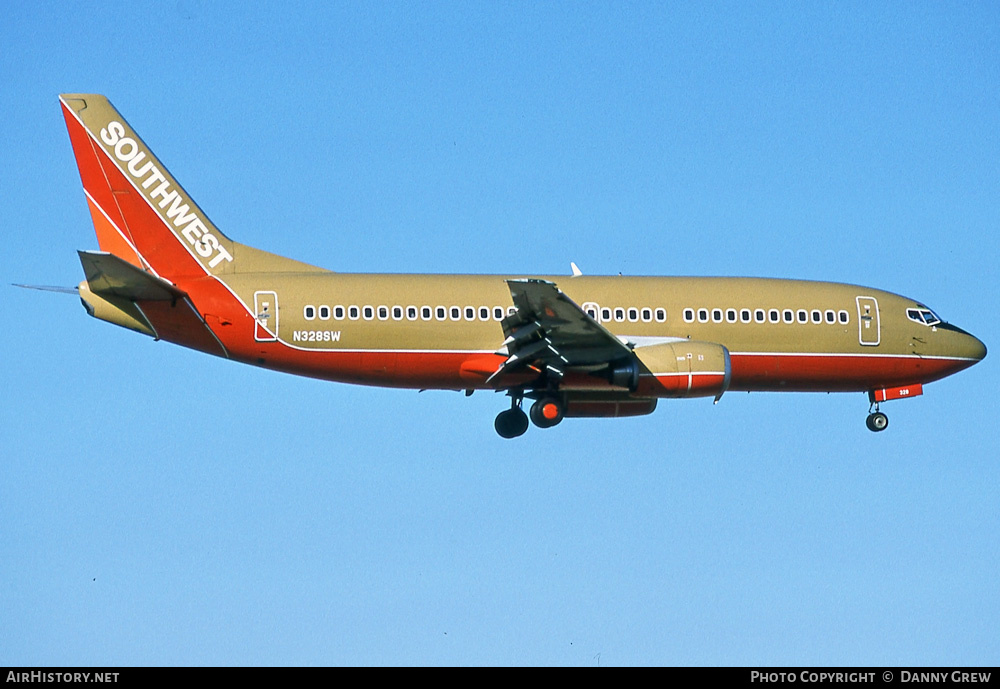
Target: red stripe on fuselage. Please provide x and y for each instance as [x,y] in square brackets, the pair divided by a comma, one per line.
[451,370]
[836,372]
[441,370]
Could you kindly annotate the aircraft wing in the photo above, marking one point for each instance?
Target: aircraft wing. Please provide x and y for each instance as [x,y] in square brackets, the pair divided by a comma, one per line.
[550,333]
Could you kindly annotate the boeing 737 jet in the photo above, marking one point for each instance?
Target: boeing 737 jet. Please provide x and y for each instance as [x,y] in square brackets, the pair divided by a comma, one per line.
[580,346]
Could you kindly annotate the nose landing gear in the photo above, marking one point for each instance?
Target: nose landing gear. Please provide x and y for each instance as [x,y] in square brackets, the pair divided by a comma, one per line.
[876,421]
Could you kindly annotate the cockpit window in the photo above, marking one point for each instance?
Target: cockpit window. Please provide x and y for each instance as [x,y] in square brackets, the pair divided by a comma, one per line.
[924,316]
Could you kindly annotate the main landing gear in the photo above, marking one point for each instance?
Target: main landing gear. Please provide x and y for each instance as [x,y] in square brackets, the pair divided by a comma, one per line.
[514,421]
[876,421]
[545,412]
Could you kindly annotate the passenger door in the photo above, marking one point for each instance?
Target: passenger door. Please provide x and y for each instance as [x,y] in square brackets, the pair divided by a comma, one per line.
[869,332]
[265,328]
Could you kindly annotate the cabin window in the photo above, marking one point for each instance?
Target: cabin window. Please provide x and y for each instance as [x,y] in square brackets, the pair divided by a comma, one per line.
[368,313]
[309,312]
[803,316]
[397,313]
[338,312]
[353,312]
[731,315]
[484,313]
[817,317]
[498,313]
[831,317]
[661,315]
[456,313]
[845,317]
[411,313]
[324,313]
[592,312]
[441,313]
[425,313]
[605,314]
[619,314]
[923,316]
[647,315]
[758,315]
[689,315]
[703,315]
[775,316]
[745,315]
[789,316]
[633,315]
[470,313]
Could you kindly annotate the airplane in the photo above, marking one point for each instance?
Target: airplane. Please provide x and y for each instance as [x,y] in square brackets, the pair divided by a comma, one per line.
[579,346]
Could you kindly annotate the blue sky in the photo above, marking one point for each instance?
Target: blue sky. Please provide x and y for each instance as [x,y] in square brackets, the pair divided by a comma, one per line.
[159,506]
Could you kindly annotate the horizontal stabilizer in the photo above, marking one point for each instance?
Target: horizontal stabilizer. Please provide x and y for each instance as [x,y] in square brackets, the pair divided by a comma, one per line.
[109,275]
[48,288]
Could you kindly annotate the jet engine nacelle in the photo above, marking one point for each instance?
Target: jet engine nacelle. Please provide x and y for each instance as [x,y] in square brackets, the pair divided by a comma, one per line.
[686,368]
[625,374]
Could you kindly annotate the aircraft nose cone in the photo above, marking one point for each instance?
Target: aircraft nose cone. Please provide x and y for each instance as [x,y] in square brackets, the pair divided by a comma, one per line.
[970,347]
[977,350]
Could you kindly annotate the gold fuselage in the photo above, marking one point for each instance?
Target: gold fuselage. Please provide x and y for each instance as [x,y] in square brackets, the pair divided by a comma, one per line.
[820,327]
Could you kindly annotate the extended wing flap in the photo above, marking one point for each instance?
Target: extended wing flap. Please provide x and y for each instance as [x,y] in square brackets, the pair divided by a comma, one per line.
[109,275]
[577,337]
[550,332]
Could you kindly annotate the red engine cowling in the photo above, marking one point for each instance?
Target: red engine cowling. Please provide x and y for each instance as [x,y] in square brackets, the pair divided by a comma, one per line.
[686,368]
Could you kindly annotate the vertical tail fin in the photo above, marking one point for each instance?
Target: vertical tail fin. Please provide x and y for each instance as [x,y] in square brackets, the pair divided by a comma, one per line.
[140,213]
